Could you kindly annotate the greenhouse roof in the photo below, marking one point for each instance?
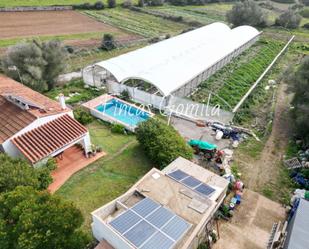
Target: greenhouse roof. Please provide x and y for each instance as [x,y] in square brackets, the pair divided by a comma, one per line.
[170,64]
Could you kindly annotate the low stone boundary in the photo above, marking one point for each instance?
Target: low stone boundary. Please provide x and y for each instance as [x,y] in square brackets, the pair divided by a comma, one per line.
[35,8]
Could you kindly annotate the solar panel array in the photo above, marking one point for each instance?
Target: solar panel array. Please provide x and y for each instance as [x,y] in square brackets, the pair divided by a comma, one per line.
[148,225]
[192,183]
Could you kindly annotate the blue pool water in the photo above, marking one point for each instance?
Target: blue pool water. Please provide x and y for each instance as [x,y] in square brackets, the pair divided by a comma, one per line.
[123,112]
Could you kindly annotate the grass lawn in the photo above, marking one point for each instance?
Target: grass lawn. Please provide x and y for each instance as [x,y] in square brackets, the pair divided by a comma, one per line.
[110,176]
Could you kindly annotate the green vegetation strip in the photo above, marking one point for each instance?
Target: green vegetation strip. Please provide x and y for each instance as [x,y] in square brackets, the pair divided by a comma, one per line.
[240,75]
[189,14]
[81,36]
[139,23]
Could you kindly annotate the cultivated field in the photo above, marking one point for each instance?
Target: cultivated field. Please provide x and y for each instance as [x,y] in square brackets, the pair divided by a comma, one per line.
[27,24]
[138,23]
[13,3]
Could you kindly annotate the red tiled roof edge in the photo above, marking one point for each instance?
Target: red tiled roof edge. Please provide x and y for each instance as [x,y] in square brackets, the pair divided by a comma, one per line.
[44,140]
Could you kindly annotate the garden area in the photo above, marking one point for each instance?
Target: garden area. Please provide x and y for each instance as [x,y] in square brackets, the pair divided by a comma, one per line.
[108,177]
[230,83]
[142,24]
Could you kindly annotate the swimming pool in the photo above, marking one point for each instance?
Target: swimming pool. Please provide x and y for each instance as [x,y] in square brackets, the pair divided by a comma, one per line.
[123,112]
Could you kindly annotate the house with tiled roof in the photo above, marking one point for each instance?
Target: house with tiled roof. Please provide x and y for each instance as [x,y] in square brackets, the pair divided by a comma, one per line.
[34,127]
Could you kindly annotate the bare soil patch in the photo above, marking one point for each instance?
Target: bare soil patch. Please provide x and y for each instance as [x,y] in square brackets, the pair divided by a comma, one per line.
[251,224]
[40,23]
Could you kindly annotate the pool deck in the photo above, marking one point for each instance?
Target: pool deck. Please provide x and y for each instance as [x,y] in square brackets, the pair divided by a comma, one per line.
[101,100]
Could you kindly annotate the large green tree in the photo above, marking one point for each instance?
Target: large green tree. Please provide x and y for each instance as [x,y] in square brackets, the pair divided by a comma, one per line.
[161,142]
[300,86]
[17,172]
[289,19]
[31,219]
[247,12]
[35,64]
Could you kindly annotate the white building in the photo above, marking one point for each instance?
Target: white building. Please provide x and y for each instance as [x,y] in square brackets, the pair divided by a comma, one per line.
[172,208]
[35,127]
[173,67]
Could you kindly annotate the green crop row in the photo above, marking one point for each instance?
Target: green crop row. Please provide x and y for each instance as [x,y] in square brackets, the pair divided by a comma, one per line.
[238,76]
[190,14]
[138,23]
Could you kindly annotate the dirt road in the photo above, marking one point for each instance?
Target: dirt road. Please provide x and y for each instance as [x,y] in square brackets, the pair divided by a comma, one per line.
[264,169]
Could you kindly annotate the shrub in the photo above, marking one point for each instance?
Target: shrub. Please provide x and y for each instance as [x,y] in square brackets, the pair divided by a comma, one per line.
[17,172]
[154,2]
[284,1]
[289,19]
[99,5]
[127,4]
[108,42]
[141,3]
[306,26]
[82,116]
[37,219]
[118,128]
[304,12]
[300,82]
[111,3]
[161,142]
[247,12]
[125,95]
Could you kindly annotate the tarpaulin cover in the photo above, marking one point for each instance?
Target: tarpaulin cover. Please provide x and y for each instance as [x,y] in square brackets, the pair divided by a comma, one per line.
[202,144]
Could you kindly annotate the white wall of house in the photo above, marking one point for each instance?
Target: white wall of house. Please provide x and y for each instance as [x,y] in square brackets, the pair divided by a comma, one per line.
[12,150]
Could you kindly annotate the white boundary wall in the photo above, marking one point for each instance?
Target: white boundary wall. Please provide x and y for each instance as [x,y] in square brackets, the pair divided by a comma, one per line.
[137,95]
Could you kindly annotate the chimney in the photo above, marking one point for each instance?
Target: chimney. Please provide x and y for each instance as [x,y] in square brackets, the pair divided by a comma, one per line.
[62,101]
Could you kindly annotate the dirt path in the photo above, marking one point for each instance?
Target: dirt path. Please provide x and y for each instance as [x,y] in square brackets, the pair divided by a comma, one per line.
[260,171]
[251,224]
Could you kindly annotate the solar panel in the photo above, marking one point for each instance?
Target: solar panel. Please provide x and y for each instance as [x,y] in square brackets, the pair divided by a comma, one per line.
[191,182]
[145,207]
[148,225]
[175,228]
[178,175]
[205,189]
[140,233]
[125,221]
[160,217]
[158,241]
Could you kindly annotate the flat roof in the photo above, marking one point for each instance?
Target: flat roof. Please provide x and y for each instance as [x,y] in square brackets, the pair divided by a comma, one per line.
[170,64]
[156,185]
[298,229]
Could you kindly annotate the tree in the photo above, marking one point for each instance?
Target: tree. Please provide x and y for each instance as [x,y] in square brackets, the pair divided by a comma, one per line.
[247,12]
[289,19]
[141,3]
[111,3]
[99,5]
[17,172]
[35,64]
[32,219]
[108,42]
[161,142]
[300,86]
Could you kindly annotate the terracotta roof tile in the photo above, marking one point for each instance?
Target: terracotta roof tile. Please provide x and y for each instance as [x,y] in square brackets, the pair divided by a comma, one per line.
[11,87]
[48,138]
[12,119]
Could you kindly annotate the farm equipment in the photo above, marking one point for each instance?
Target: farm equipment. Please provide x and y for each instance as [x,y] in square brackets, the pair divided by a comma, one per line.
[208,150]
